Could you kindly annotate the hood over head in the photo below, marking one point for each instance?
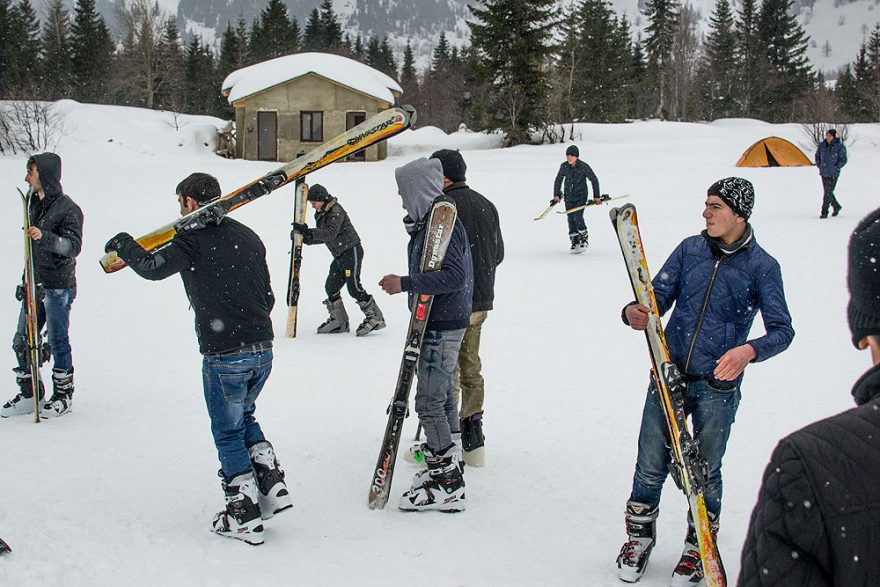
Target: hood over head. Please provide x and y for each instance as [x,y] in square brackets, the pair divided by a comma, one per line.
[419,182]
[49,166]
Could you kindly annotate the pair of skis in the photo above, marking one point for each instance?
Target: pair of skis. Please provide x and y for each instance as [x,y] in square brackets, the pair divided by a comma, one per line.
[688,469]
[30,294]
[299,217]
[439,231]
[378,128]
[604,198]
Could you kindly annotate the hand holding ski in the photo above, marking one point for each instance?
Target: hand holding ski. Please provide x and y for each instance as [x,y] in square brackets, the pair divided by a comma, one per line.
[299,217]
[546,211]
[602,200]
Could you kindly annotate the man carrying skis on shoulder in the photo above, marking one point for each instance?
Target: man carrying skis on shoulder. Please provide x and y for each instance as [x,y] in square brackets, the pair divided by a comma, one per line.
[56,232]
[441,487]
[224,273]
[334,229]
[718,281]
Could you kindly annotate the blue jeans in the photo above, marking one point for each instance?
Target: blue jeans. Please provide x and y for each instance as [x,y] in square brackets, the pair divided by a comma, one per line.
[54,313]
[232,384]
[712,411]
[435,389]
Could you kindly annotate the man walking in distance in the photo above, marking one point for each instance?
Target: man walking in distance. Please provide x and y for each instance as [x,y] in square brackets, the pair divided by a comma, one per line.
[480,220]
[441,486]
[224,273]
[56,232]
[718,281]
[830,159]
[573,176]
[334,229]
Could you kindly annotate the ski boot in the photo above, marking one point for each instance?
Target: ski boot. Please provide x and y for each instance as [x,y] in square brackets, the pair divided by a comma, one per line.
[373,318]
[689,570]
[641,528]
[575,244]
[273,497]
[338,320]
[23,403]
[416,455]
[584,240]
[61,400]
[241,519]
[443,490]
[473,441]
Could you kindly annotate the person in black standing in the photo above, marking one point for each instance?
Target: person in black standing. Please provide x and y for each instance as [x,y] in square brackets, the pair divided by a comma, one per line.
[56,232]
[224,273]
[830,159]
[480,219]
[573,176]
[333,228]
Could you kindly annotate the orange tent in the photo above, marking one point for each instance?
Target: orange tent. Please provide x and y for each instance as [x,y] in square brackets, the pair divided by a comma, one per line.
[773,152]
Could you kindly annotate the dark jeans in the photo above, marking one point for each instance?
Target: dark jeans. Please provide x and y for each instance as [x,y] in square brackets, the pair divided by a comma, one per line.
[346,270]
[576,224]
[712,413]
[828,199]
[232,384]
[54,313]
[435,388]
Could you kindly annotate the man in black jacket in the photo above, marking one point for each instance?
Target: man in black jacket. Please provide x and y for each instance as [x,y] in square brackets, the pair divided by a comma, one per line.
[480,219]
[56,232]
[573,175]
[334,229]
[817,520]
[224,273]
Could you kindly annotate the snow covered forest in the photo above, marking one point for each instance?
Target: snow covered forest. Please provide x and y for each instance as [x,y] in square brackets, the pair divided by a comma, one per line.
[526,67]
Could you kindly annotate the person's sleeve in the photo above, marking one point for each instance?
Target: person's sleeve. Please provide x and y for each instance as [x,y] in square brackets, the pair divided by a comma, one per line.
[452,275]
[156,265]
[499,239]
[786,542]
[330,230]
[594,181]
[667,282]
[68,242]
[818,157]
[557,183]
[776,317]
[842,160]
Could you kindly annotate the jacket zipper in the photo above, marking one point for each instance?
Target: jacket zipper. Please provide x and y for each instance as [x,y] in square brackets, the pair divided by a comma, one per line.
[702,315]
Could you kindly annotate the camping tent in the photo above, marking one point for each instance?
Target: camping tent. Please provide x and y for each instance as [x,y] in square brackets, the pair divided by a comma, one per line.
[773,152]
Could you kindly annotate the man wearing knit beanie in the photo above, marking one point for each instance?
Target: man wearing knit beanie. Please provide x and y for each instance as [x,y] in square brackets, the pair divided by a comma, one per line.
[573,175]
[715,283]
[819,505]
[830,159]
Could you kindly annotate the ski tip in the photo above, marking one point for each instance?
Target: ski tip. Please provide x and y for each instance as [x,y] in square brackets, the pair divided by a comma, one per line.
[410,109]
[613,213]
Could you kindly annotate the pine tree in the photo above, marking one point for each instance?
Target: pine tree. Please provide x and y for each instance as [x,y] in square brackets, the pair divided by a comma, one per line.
[23,52]
[92,54]
[56,55]
[748,57]
[409,79]
[783,45]
[233,49]
[169,93]
[663,19]
[331,29]
[273,35]
[200,90]
[359,52]
[513,36]
[719,70]
[313,35]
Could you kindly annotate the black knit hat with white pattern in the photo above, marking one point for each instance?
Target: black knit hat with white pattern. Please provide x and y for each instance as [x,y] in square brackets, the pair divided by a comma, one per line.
[738,193]
[863,278]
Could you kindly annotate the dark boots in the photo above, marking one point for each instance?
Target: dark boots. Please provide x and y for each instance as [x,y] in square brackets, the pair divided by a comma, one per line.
[641,530]
[338,320]
[373,318]
[473,441]
[61,401]
[23,402]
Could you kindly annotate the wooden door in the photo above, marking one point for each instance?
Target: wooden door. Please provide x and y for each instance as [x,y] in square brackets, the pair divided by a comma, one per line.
[267,136]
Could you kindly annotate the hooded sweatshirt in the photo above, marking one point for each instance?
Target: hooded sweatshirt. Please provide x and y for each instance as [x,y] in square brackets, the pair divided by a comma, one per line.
[61,221]
[419,183]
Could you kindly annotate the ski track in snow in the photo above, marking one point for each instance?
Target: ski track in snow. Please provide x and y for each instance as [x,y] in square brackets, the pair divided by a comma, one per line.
[124,488]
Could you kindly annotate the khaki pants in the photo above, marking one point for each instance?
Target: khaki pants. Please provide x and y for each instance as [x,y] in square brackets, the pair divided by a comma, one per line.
[468,380]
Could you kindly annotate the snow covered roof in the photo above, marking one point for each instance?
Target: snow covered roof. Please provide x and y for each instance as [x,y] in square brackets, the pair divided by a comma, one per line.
[342,70]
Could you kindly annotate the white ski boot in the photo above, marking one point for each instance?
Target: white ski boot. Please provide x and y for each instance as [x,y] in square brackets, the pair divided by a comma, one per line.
[273,497]
[641,528]
[444,488]
[241,519]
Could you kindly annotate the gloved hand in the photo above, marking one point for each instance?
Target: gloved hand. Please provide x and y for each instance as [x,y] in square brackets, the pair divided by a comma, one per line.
[555,200]
[117,242]
[304,230]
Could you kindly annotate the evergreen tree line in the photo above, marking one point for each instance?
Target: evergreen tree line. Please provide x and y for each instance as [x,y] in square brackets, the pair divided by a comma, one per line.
[527,69]
[74,56]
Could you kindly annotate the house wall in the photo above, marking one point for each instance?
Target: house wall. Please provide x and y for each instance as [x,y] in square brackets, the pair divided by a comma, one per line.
[308,93]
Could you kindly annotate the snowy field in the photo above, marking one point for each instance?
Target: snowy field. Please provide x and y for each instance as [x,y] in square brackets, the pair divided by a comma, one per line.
[122,490]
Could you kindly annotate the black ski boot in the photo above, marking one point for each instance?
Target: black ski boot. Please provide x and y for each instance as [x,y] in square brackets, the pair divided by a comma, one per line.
[472,440]
[373,318]
[241,519]
[689,570]
[443,490]
[641,528]
[23,403]
[61,401]
[338,320]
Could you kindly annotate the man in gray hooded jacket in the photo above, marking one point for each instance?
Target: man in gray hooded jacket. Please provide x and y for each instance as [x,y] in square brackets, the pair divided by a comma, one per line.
[441,487]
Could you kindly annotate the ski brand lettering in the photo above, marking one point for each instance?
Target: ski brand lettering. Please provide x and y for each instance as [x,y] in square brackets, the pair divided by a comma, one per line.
[435,246]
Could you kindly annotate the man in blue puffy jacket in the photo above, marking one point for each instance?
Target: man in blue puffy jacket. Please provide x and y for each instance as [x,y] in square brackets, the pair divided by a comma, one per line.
[830,159]
[718,281]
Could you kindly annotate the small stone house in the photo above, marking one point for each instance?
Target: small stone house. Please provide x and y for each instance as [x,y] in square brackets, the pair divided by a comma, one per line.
[294,103]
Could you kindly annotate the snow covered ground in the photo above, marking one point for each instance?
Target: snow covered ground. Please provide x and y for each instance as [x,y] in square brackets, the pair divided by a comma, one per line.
[122,490]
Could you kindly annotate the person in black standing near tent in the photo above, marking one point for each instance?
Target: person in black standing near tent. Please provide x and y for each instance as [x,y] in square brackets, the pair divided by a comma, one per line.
[830,159]
[573,176]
